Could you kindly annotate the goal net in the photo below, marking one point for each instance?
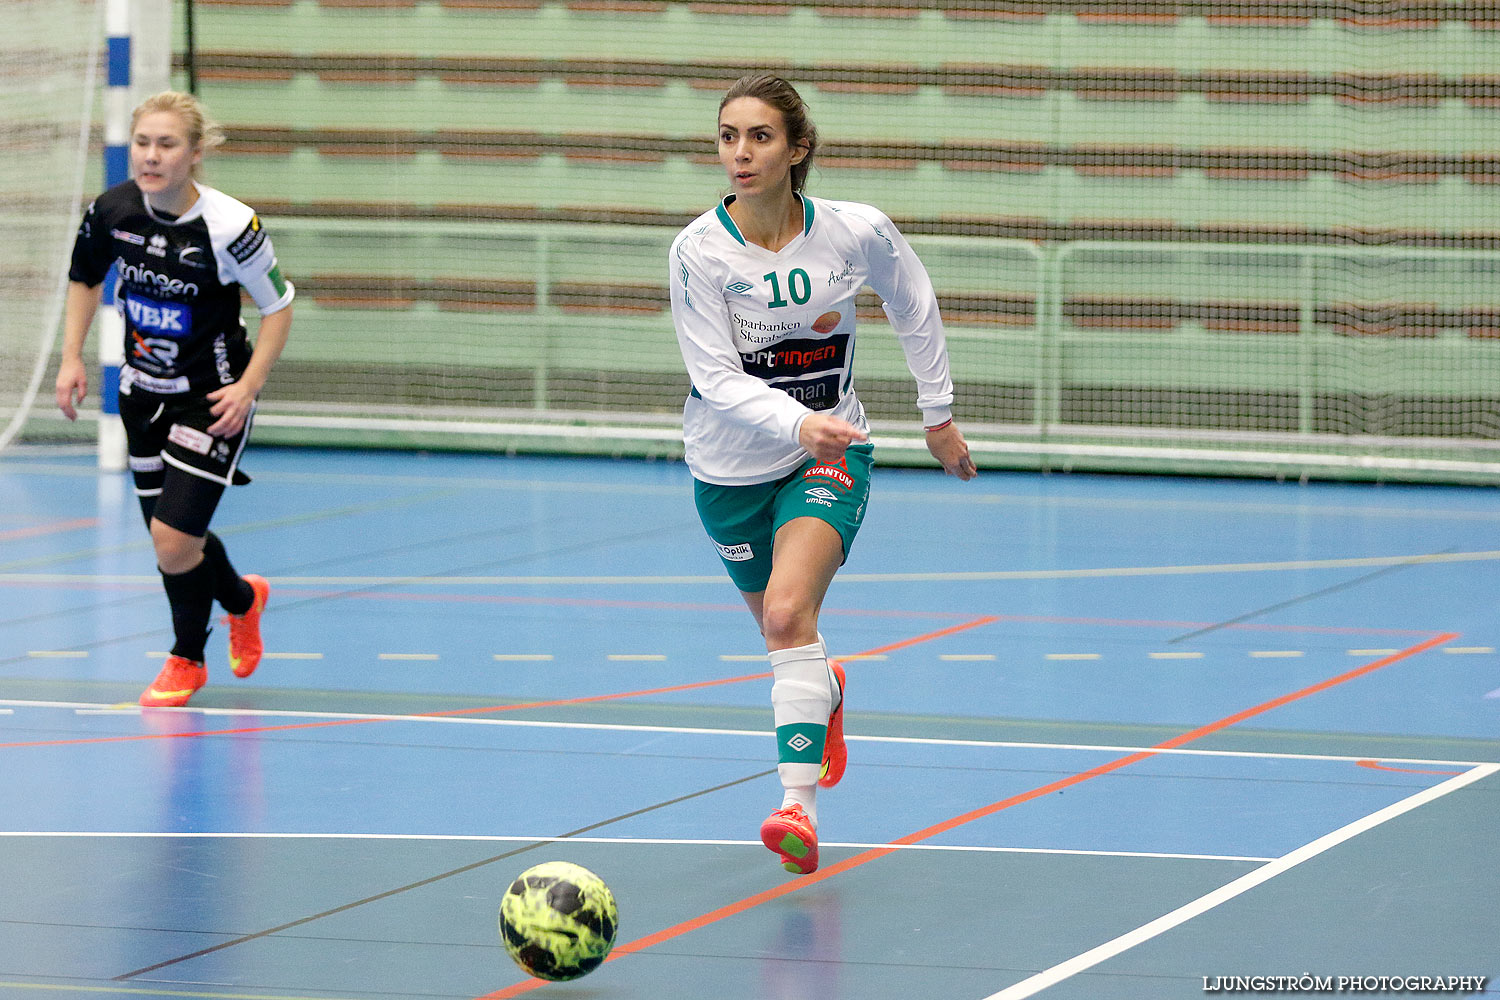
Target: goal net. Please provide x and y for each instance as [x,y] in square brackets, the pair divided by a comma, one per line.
[49,55]
[1217,235]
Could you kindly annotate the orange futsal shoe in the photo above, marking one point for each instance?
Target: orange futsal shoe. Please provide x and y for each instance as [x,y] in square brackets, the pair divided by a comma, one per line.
[835,754]
[244,630]
[178,679]
[790,834]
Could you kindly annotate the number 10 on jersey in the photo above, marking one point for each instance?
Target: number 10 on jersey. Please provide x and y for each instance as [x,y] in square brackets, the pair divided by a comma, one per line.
[798,284]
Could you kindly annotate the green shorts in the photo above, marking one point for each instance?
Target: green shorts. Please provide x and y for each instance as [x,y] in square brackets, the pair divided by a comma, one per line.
[742,521]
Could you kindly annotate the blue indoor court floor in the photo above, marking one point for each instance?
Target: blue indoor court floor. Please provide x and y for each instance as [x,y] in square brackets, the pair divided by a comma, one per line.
[1111,738]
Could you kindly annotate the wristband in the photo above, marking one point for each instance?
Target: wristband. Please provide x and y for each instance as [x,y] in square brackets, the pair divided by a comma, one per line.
[938,427]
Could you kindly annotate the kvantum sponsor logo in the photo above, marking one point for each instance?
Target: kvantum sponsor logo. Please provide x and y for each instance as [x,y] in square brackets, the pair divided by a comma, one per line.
[830,472]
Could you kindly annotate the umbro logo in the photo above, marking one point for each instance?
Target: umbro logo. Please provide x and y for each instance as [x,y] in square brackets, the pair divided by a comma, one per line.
[739,287]
[822,496]
[799,743]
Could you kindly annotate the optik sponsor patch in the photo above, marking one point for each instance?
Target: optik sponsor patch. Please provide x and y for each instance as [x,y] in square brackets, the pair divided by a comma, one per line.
[735,553]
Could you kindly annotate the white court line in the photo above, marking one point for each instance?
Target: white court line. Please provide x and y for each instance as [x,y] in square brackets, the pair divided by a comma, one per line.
[462,720]
[1080,963]
[647,841]
[971,577]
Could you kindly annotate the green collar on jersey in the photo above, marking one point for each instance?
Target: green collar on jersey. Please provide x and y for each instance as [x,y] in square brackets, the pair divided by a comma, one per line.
[723,213]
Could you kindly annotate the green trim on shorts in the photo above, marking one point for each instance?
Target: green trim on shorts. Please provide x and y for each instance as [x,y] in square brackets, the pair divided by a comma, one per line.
[742,521]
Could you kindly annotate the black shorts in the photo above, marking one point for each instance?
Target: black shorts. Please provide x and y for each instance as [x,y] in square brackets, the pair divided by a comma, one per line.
[171,432]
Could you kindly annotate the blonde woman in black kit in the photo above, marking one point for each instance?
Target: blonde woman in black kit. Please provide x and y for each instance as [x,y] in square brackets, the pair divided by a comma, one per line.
[184,252]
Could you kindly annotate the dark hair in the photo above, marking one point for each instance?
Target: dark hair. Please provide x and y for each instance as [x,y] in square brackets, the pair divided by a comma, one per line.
[784,98]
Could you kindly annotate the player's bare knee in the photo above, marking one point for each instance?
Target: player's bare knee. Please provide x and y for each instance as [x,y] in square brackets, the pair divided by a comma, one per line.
[788,623]
[176,551]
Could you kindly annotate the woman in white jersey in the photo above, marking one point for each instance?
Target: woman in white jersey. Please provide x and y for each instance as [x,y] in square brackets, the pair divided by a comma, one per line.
[763,298]
[181,253]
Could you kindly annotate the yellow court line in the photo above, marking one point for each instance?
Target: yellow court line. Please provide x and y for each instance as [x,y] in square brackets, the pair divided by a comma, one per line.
[58,654]
[1468,649]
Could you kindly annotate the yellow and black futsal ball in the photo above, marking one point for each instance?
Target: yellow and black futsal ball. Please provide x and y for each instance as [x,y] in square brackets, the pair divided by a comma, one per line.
[558,920]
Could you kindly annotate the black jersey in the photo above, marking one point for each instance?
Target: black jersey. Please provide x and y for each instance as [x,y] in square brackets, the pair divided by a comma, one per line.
[179,284]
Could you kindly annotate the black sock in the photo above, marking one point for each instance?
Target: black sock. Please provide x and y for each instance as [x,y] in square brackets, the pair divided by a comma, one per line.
[192,599]
[230,589]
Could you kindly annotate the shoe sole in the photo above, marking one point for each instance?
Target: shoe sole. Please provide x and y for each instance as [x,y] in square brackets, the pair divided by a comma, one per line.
[835,752]
[173,699]
[262,595]
[797,855]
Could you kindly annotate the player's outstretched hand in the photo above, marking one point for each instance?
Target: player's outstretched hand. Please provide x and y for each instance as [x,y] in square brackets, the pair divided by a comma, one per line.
[949,447]
[72,387]
[825,437]
[231,405]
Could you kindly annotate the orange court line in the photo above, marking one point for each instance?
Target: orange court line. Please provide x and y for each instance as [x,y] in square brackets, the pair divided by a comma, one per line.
[1375,765]
[587,699]
[786,888]
[48,529]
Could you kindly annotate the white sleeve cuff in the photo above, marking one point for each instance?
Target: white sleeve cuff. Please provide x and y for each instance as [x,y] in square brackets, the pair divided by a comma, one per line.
[936,416]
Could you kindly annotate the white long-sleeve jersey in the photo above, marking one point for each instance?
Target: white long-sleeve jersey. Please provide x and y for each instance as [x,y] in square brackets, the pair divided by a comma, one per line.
[769,337]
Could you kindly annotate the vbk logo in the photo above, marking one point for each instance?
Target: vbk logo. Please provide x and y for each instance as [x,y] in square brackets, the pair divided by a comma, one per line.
[162,319]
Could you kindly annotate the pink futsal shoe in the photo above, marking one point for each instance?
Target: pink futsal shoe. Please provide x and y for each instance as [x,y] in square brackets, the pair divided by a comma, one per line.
[178,679]
[245,647]
[790,834]
[835,753]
